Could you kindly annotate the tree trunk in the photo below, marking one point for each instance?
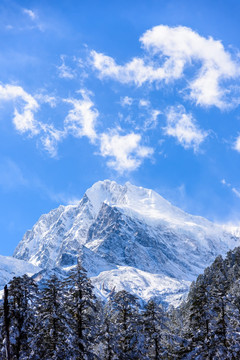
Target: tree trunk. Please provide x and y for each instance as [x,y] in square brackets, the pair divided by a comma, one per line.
[6,323]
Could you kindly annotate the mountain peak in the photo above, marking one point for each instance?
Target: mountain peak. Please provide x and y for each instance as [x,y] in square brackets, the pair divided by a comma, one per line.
[129,196]
[140,202]
[106,191]
[127,236]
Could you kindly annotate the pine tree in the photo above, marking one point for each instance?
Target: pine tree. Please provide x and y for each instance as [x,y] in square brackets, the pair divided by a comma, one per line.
[221,328]
[2,349]
[177,344]
[6,324]
[50,334]
[198,317]
[81,309]
[212,312]
[125,315]
[107,333]
[233,312]
[21,296]
[155,326]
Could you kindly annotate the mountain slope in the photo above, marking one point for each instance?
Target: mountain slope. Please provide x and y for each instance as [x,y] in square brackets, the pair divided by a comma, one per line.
[128,237]
[10,267]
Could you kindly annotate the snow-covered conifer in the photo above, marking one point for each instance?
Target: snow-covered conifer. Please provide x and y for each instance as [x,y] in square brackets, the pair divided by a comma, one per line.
[125,315]
[21,296]
[81,309]
[155,330]
[50,333]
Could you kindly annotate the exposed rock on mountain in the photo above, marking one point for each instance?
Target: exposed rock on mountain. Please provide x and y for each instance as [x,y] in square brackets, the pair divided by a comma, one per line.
[128,237]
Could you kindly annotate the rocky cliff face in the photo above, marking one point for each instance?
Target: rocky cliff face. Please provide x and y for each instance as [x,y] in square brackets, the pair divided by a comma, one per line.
[128,237]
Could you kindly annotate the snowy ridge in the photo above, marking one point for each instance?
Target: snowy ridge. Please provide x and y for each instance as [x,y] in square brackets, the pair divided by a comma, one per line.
[128,237]
[143,284]
[10,267]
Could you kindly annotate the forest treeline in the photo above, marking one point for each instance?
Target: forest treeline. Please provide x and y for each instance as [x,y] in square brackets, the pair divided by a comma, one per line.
[63,320]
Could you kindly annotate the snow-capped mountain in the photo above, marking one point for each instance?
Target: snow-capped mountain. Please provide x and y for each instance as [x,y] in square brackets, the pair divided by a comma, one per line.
[10,267]
[128,237]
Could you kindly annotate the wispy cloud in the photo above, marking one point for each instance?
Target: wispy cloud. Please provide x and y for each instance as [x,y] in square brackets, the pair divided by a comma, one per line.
[59,197]
[81,119]
[124,151]
[236,192]
[34,23]
[230,186]
[144,103]
[152,120]
[183,127]
[24,108]
[12,176]
[47,99]
[64,71]
[50,138]
[224,182]
[126,101]
[136,71]
[30,13]
[177,48]
[236,145]
[143,110]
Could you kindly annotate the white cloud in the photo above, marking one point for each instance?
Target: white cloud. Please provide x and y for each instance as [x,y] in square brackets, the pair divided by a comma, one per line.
[51,137]
[183,46]
[236,192]
[236,145]
[136,71]
[152,120]
[125,150]
[45,98]
[30,13]
[183,127]
[223,181]
[25,107]
[169,51]
[144,103]
[81,120]
[65,72]
[34,23]
[126,101]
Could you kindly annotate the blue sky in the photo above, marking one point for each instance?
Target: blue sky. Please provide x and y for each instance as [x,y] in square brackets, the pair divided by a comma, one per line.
[142,91]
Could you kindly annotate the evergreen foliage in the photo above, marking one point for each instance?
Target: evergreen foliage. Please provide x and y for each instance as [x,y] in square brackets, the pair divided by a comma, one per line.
[81,308]
[124,314]
[63,320]
[107,333]
[155,330]
[50,330]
